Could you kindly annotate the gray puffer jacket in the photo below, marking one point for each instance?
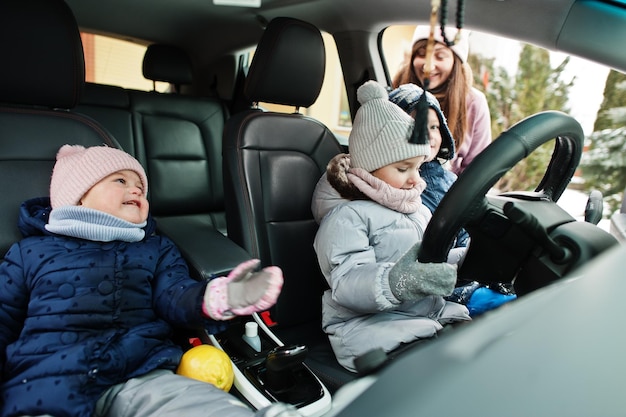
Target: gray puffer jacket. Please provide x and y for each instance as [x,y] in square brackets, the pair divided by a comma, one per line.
[357,244]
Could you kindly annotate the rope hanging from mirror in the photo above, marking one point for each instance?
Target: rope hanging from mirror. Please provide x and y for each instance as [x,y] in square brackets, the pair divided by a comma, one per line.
[443,20]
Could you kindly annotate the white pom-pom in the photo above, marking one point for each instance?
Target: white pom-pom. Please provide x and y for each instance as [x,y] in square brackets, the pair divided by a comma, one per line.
[371,90]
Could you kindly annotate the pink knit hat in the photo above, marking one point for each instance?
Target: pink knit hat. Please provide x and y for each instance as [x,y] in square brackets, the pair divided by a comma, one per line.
[78,169]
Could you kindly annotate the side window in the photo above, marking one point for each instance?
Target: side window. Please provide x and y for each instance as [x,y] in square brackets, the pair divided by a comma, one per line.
[331,107]
[116,62]
[502,68]
[396,47]
[520,79]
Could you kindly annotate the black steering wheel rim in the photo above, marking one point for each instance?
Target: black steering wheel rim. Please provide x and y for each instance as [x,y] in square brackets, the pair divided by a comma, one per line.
[466,198]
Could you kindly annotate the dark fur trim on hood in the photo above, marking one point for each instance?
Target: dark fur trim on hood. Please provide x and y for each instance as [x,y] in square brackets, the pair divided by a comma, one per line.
[337,175]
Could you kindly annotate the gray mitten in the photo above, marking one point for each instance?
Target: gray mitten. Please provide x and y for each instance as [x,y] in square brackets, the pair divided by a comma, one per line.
[410,280]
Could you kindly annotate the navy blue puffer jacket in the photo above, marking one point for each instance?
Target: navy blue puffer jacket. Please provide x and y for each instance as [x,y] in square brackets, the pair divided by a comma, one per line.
[79,316]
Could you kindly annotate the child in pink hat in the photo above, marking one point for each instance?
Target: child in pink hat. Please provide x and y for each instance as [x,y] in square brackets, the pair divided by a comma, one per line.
[90,297]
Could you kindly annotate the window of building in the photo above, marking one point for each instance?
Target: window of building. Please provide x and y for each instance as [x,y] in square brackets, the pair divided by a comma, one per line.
[116,62]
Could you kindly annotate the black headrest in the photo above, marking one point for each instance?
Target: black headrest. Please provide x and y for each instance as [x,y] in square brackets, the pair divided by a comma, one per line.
[223,76]
[288,65]
[42,54]
[167,63]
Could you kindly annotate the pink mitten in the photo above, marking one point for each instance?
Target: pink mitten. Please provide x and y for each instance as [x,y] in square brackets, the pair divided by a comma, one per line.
[243,291]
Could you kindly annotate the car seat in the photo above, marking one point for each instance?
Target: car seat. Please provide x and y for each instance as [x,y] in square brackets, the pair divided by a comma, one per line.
[41,79]
[178,138]
[272,162]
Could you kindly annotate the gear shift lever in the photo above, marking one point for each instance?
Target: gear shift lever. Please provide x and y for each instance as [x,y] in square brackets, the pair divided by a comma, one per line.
[280,362]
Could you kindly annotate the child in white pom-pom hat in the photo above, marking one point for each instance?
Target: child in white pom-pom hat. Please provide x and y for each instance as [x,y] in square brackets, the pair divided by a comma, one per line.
[372,220]
[90,296]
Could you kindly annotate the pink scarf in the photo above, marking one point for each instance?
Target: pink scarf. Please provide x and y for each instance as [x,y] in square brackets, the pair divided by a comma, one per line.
[403,201]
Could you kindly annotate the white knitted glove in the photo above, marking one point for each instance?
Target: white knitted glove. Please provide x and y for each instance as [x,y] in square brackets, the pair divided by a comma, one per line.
[410,280]
[243,291]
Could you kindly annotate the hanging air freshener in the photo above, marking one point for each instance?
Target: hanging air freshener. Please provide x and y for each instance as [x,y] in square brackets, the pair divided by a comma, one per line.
[420,131]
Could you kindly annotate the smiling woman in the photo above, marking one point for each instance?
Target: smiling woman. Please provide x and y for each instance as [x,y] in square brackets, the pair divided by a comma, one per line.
[441,66]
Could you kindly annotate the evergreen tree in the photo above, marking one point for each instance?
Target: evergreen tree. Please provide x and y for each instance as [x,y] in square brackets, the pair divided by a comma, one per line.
[604,163]
[497,85]
[536,87]
[612,111]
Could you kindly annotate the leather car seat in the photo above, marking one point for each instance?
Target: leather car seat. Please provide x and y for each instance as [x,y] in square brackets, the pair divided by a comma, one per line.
[41,79]
[272,162]
[178,138]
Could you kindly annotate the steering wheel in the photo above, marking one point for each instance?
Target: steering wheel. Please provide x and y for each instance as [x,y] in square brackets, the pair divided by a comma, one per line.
[467,204]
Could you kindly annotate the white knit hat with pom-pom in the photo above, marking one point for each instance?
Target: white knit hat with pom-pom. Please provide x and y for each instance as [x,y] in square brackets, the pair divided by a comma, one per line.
[381,131]
[460,47]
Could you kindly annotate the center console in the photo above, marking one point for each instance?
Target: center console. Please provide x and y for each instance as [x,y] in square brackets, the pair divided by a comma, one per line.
[268,371]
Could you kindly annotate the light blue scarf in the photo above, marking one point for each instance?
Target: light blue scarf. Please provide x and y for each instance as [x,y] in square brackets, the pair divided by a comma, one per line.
[90,224]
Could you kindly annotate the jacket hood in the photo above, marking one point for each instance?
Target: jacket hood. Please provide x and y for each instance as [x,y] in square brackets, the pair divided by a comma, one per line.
[33,217]
[407,97]
[334,188]
[34,214]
